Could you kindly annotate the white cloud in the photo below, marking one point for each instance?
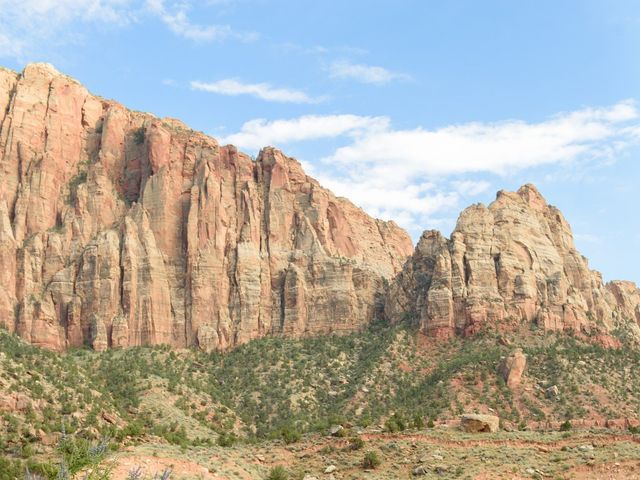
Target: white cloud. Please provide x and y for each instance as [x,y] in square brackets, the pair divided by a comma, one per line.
[317,50]
[259,133]
[415,175]
[179,23]
[470,187]
[32,27]
[364,73]
[495,147]
[28,24]
[263,91]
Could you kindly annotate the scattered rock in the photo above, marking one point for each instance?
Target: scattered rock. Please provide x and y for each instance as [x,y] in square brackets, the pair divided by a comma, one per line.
[420,470]
[50,439]
[552,392]
[330,469]
[109,418]
[336,430]
[441,469]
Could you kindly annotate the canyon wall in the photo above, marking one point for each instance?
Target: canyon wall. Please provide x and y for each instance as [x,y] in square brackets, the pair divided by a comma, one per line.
[118,228]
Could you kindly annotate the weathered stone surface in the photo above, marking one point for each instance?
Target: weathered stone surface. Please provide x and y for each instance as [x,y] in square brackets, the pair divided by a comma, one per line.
[473,423]
[510,263]
[512,367]
[118,228]
[552,392]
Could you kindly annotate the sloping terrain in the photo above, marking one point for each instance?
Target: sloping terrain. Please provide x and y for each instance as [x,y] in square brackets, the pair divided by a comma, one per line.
[275,392]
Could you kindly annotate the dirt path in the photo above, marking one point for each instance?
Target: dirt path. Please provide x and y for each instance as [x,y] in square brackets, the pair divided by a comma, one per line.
[151,465]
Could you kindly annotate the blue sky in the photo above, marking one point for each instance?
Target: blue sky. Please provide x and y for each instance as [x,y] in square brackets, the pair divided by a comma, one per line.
[413,109]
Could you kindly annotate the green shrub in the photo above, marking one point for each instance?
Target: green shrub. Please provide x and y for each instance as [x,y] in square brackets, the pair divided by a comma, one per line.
[10,470]
[288,433]
[565,426]
[227,439]
[371,460]
[418,422]
[395,424]
[278,473]
[356,443]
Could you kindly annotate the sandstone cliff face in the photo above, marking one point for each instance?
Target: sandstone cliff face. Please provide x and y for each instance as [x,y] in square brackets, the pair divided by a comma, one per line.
[118,229]
[509,263]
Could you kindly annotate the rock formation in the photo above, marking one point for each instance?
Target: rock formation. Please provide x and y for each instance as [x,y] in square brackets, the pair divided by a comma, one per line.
[512,367]
[510,263]
[118,228]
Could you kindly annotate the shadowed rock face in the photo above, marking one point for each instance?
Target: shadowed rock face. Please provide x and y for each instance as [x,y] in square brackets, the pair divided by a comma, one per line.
[118,229]
[509,263]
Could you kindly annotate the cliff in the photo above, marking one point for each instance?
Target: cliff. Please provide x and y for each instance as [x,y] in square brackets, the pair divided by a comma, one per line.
[118,228]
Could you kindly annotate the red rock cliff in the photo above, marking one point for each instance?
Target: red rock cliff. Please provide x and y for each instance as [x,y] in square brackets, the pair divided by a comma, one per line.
[118,228]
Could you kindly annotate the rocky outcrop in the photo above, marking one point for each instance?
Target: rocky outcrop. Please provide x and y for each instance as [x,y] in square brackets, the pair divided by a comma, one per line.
[118,228]
[510,263]
[512,367]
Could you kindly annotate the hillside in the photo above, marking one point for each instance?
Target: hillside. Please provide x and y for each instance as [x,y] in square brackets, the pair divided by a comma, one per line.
[273,392]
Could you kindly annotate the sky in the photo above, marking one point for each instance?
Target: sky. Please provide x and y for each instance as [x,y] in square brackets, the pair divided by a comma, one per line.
[413,109]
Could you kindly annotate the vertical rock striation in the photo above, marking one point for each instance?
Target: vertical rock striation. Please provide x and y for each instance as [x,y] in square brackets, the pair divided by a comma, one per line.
[118,228]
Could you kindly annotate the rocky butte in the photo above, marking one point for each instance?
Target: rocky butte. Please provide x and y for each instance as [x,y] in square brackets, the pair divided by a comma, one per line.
[510,263]
[118,228]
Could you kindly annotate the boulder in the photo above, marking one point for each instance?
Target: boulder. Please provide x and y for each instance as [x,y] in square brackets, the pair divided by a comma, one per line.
[474,423]
[552,392]
[420,470]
